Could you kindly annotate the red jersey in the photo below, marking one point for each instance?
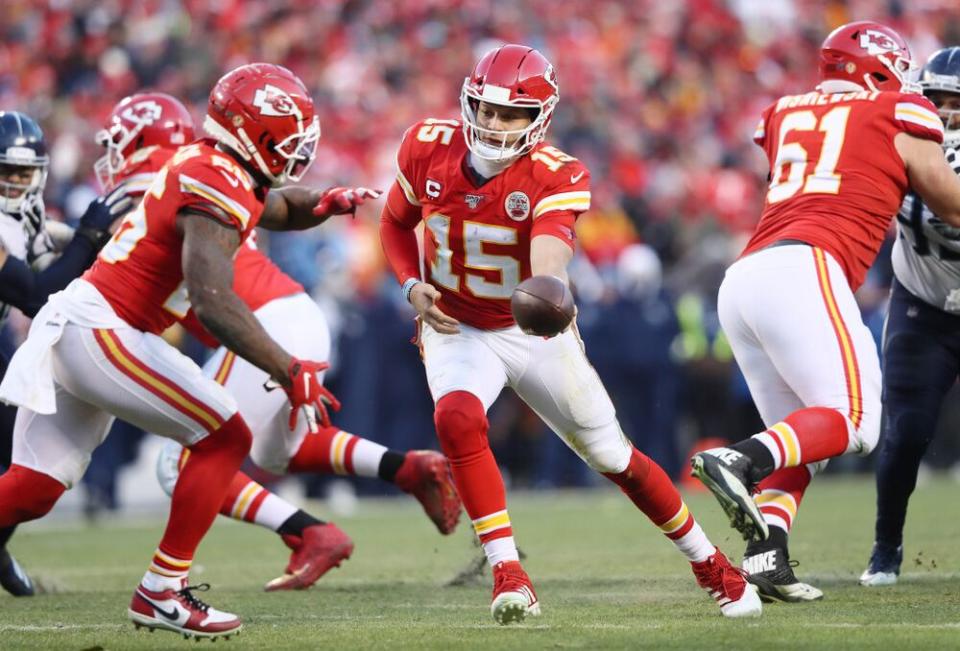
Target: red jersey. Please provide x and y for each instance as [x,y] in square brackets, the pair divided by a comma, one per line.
[836,178]
[477,237]
[139,271]
[256,279]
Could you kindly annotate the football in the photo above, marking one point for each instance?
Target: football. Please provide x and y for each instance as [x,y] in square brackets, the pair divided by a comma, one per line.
[542,306]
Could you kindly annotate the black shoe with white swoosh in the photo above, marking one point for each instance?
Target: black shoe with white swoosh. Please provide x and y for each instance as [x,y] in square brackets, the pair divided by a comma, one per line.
[13,578]
[727,473]
[182,612]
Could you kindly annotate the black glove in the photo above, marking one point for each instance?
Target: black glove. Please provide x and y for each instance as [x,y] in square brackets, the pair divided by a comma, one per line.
[102,213]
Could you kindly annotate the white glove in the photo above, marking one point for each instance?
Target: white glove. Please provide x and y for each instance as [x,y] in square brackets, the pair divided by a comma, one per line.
[953,158]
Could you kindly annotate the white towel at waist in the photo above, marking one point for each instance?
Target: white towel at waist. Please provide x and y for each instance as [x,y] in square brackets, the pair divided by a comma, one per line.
[29,379]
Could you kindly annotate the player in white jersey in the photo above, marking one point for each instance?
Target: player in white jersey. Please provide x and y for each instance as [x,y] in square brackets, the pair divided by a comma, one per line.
[26,245]
[921,344]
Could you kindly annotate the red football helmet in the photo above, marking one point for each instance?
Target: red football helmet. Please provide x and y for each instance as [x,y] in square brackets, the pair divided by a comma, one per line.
[870,55]
[138,121]
[264,114]
[511,75]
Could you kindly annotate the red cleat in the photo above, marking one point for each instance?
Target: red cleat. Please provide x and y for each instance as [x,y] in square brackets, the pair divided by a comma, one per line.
[513,594]
[322,547]
[426,475]
[181,612]
[728,586]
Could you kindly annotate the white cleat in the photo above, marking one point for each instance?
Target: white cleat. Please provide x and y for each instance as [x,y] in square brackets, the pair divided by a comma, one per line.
[877,579]
[513,594]
[884,566]
[728,586]
[748,605]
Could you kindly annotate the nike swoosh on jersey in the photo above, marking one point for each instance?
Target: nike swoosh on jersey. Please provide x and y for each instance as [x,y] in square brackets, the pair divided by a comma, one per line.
[576,177]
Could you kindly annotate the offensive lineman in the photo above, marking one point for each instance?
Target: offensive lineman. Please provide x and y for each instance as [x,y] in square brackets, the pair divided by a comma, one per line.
[841,159]
[142,133]
[94,351]
[498,206]
[921,342]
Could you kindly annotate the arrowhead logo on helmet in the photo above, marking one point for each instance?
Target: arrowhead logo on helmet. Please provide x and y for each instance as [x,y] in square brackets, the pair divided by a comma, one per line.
[274,102]
[875,42]
[142,112]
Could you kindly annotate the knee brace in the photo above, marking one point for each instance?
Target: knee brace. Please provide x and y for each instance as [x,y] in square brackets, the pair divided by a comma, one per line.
[461,425]
[605,448]
[26,494]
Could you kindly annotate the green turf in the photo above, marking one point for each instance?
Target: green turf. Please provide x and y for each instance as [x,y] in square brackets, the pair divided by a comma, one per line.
[606,579]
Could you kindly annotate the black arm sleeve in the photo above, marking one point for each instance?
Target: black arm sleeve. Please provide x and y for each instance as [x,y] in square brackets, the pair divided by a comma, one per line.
[28,290]
[16,282]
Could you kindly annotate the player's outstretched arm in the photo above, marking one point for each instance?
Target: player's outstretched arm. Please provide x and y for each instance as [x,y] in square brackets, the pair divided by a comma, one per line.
[931,176]
[297,208]
[549,256]
[208,249]
[28,290]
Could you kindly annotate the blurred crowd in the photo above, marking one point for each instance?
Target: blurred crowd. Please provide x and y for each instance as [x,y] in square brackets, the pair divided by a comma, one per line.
[659,99]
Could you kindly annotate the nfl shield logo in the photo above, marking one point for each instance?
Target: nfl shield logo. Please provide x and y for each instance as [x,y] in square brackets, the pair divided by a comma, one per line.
[473,200]
[517,206]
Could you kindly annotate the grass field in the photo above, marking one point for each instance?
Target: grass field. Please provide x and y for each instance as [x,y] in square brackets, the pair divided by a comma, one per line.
[606,579]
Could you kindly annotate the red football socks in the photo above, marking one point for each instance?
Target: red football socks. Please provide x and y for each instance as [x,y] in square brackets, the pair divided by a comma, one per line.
[462,429]
[26,494]
[200,491]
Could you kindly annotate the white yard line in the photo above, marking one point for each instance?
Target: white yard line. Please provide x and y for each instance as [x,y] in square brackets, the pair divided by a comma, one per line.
[27,628]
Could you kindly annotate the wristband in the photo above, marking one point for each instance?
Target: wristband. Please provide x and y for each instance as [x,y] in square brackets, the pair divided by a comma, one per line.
[407,287]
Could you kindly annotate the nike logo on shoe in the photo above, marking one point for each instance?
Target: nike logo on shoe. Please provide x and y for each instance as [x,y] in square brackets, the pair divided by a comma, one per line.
[173,614]
[763,562]
[725,455]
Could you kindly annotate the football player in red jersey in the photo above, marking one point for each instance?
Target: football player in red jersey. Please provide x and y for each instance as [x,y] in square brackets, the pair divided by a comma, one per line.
[142,133]
[498,205]
[841,159]
[94,350]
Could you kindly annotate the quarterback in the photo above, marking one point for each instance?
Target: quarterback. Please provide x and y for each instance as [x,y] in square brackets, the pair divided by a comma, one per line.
[841,159]
[498,205]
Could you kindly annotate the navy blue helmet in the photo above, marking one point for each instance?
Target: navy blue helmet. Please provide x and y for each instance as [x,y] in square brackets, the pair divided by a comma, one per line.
[23,165]
[941,74]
